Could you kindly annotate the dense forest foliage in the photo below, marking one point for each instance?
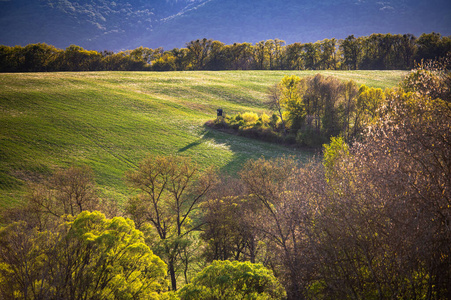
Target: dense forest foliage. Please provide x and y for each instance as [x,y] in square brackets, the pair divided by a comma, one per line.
[374,52]
[369,220]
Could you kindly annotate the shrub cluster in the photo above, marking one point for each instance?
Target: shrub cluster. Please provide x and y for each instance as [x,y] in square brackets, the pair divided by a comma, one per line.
[249,124]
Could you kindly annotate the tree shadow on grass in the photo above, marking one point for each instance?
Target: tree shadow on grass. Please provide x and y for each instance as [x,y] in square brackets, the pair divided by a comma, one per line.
[243,149]
[191,145]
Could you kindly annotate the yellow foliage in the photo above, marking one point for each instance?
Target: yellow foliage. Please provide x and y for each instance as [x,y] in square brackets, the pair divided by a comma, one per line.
[249,117]
[265,118]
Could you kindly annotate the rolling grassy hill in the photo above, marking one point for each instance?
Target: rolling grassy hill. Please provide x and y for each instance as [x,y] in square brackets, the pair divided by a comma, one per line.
[112,120]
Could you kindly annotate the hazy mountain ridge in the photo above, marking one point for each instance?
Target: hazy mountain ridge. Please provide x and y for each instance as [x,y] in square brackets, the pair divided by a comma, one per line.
[305,21]
[116,25]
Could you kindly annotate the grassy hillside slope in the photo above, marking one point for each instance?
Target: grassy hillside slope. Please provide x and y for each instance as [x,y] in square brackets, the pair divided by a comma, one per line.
[111,120]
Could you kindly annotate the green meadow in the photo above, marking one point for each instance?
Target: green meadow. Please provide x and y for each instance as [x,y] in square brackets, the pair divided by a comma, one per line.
[112,120]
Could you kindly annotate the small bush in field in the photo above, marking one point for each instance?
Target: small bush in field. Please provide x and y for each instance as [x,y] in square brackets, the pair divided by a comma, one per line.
[250,118]
[264,118]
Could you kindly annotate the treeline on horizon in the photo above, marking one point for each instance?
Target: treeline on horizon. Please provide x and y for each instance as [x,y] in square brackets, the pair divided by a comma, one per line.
[374,52]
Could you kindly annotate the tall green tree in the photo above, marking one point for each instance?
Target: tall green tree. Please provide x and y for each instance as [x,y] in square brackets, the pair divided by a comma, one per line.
[285,98]
[199,50]
[351,49]
[291,98]
[328,56]
[217,58]
[404,50]
[368,105]
[293,57]
[260,54]
[170,189]
[181,58]
[311,55]
[240,56]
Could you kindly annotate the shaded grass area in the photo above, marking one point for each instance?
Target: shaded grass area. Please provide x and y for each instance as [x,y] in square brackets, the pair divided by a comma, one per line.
[112,120]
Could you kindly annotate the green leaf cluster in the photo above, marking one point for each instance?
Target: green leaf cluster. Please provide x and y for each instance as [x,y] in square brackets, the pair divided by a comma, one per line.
[86,257]
[233,280]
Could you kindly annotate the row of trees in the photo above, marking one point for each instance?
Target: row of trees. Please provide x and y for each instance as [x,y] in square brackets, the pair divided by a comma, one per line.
[314,109]
[374,52]
[367,221]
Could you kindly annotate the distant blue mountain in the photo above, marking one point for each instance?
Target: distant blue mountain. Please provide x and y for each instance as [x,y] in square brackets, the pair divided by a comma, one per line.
[118,25]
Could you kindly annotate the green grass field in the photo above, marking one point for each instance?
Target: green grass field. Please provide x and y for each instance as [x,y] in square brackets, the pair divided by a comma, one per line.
[112,120]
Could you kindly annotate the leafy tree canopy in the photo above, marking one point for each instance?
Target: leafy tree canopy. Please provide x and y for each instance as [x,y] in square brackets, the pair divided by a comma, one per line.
[233,280]
[86,257]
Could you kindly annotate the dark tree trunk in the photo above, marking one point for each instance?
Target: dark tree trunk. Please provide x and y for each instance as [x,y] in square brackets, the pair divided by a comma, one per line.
[172,275]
